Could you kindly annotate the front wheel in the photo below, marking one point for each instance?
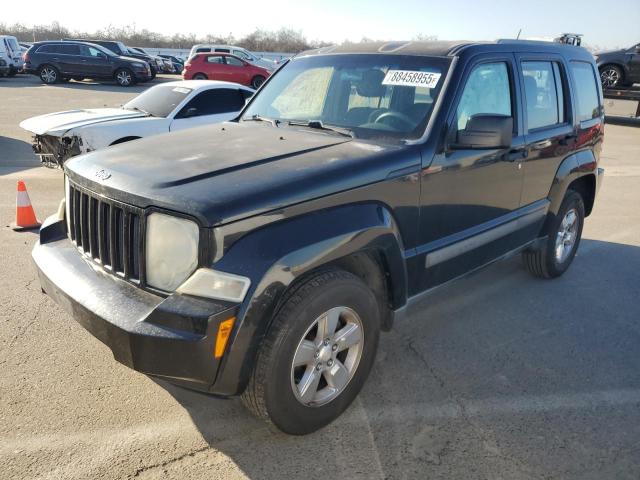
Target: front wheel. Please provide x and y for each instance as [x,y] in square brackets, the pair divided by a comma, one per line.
[257,81]
[563,239]
[317,354]
[124,77]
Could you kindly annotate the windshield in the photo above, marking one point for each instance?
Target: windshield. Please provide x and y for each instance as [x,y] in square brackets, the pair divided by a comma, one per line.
[158,101]
[374,96]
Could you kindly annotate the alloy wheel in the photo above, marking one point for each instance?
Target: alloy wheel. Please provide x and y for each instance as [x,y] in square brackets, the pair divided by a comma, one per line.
[48,75]
[124,78]
[327,357]
[567,235]
[609,77]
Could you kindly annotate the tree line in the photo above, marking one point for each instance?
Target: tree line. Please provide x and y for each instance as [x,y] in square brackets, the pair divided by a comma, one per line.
[283,40]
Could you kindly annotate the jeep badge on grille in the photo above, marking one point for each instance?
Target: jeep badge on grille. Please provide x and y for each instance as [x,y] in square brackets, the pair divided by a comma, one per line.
[102,174]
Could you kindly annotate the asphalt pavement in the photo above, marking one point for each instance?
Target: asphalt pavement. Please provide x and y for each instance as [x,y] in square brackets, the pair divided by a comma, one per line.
[498,376]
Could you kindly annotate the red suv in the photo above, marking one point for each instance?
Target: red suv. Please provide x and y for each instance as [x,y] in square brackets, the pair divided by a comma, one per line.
[224,66]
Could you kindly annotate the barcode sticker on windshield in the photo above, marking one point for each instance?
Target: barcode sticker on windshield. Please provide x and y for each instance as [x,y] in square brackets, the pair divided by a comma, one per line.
[411,78]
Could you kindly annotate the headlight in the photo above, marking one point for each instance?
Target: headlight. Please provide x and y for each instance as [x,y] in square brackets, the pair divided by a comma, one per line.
[171,250]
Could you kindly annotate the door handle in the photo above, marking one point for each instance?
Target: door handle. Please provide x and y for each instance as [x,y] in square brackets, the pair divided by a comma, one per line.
[568,139]
[541,145]
[517,154]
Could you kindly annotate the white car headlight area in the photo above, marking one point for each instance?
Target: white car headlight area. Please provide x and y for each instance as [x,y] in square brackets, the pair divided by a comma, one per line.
[171,250]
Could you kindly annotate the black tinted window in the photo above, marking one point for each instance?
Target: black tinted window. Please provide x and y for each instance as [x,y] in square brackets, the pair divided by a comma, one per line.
[203,49]
[584,81]
[219,100]
[69,49]
[543,93]
[46,49]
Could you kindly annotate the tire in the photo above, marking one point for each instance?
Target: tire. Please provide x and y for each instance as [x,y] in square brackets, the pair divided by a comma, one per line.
[546,262]
[12,72]
[611,76]
[275,391]
[49,74]
[124,77]
[257,81]
[200,76]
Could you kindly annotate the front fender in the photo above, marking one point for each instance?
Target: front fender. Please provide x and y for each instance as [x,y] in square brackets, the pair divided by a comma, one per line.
[274,256]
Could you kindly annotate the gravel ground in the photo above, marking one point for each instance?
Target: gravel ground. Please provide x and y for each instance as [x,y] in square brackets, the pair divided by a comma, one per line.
[499,376]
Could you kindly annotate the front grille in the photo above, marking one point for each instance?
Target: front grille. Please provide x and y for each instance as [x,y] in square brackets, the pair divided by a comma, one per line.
[108,232]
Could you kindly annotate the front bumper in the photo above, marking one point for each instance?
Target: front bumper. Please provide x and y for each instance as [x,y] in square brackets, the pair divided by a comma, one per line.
[172,338]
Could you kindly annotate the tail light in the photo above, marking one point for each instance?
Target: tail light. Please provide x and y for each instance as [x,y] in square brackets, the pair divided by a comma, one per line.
[26,57]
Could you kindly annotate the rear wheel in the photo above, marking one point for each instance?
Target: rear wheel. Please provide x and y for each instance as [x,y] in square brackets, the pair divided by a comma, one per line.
[124,77]
[317,354]
[49,74]
[200,76]
[257,81]
[565,231]
[611,76]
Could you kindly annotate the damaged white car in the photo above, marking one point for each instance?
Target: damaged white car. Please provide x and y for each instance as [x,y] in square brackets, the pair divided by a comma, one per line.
[163,108]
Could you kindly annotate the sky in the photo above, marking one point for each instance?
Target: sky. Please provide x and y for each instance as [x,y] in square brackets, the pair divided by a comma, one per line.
[336,21]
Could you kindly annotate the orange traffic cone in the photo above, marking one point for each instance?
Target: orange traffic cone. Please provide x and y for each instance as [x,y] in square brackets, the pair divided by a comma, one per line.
[25,216]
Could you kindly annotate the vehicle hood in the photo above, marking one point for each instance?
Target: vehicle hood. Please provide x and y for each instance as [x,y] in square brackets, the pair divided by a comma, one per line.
[225,172]
[57,124]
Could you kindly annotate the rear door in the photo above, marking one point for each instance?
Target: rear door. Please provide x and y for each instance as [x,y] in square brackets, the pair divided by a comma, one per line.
[68,58]
[634,63]
[210,106]
[550,133]
[216,68]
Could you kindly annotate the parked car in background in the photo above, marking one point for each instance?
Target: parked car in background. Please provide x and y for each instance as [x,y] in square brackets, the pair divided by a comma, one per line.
[121,49]
[352,185]
[64,60]
[159,63]
[225,67]
[239,52]
[178,65]
[4,67]
[163,108]
[619,68]
[12,53]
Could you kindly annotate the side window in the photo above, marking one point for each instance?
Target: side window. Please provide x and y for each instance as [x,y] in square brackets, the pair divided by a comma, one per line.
[69,49]
[543,94]
[215,59]
[236,62]
[87,51]
[45,49]
[223,50]
[241,54]
[488,91]
[203,50]
[219,100]
[588,99]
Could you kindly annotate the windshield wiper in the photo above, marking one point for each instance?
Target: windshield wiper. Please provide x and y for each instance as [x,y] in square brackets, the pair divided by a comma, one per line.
[260,118]
[318,125]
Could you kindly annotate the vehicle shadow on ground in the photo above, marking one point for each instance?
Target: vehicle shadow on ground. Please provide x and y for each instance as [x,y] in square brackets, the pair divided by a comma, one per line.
[494,374]
[16,154]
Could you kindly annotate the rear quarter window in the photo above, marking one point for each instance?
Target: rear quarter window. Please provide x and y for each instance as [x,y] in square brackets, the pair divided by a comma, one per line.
[586,90]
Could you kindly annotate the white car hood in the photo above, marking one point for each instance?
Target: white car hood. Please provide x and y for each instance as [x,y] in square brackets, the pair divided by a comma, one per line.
[58,123]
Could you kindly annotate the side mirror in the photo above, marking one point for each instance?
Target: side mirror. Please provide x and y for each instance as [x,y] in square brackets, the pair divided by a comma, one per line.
[485,132]
[191,112]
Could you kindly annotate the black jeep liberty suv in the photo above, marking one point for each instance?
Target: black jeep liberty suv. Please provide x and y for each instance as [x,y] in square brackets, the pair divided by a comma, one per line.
[262,257]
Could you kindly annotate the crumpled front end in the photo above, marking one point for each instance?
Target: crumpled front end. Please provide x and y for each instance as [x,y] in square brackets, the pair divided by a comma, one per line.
[54,151]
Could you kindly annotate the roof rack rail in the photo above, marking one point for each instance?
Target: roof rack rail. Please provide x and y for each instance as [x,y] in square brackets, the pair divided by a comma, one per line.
[569,39]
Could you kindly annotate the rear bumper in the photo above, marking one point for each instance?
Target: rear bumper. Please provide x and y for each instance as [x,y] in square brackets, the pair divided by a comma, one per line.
[172,338]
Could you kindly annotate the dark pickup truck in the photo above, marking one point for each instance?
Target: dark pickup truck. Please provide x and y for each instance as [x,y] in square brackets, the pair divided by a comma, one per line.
[262,257]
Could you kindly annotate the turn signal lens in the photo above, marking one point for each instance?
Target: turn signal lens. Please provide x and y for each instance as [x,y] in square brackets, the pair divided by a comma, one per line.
[224,331]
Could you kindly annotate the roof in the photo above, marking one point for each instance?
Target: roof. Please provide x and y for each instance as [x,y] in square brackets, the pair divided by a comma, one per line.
[430,48]
[198,84]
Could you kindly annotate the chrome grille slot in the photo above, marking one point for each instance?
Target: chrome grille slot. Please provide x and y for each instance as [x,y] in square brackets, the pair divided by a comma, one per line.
[106,231]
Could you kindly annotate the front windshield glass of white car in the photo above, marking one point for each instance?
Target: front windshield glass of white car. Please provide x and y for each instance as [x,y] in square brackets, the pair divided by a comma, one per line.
[368,96]
[158,101]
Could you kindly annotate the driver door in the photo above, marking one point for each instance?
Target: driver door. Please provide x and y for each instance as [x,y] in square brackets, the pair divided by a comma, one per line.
[94,61]
[469,195]
[211,106]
